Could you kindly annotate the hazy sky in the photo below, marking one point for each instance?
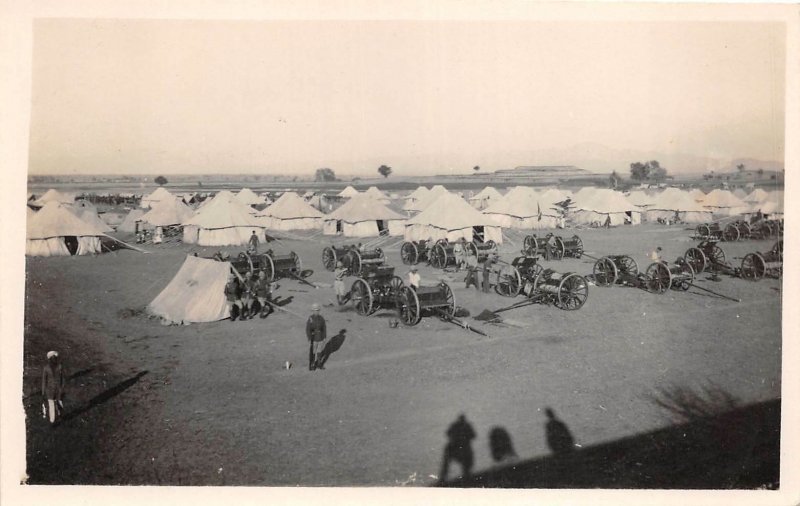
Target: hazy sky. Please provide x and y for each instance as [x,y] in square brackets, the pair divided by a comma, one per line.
[270,97]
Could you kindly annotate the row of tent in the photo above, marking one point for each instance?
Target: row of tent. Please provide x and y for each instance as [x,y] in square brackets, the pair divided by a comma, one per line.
[436,213]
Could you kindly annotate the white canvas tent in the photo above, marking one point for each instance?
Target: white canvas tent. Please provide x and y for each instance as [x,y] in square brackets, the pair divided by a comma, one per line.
[196,293]
[52,195]
[128,224]
[671,201]
[640,199]
[697,194]
[603,206]
[247,197]
[739,193]
[363,216]
[485,198]
[348,192]
[756,196]
[724,203]
[167,213]
[56,231]
[520,209]
[375,193]
[425,200]
[450,217]
[291,212]
[157,195]
[222,222]
[89,215]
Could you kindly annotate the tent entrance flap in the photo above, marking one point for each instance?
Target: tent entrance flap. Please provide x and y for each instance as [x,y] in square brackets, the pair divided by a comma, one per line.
[383,227]
[71,242]
[339,229]
[477,234]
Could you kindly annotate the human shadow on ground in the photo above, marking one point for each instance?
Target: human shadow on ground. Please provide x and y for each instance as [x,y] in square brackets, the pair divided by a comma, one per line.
[333,345]
[501,447]
[458,448]
[559,437]
[735,449]
[104,396]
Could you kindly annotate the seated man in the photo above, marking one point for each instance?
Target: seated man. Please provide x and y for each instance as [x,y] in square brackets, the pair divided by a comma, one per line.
[248,295]
[414,278]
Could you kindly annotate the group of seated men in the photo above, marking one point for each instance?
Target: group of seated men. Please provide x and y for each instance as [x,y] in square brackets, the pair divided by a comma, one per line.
[244,293]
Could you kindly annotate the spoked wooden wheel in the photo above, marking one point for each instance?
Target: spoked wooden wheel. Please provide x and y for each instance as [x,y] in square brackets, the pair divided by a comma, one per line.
[627,266]
[490,244]
[354,261]
[715,256]
[245,257]
[753,267]
[572,292]
[659,279]
[298,264]
[744,230]
[696,258]
[395,285]
[684,282]
[439,257]
[530,242]
[559,249]
[605,272]
[268,266]
[578,251]
[450,298]
[731,233]
[408,306]
[329,258]
[409,253]
[703,230]
[509,281]
[361,295]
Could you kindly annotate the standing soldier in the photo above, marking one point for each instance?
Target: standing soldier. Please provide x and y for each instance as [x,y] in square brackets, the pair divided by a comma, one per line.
[263,292]
[315,332]
[471,262]
[233,296]
[339,274]
[252,244]
[248,295]
[487,271]
[52,387]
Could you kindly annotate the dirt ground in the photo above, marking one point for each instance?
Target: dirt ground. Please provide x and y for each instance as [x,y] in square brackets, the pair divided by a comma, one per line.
[210,404]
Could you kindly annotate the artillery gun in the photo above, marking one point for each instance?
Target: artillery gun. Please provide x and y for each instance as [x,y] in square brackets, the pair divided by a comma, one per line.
[559,247]
[568,291]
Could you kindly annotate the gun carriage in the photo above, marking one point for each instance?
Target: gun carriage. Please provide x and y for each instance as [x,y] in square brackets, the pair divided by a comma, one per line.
[560,247]
[758,265]
[615,269]
[567,291]
[377,288]
[274,266]
[333,254]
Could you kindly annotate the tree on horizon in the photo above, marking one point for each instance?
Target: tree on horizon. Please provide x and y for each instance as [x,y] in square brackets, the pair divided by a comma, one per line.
[161,180]
[384,170]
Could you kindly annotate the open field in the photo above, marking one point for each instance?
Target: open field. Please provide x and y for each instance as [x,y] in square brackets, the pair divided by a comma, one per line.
[210,403]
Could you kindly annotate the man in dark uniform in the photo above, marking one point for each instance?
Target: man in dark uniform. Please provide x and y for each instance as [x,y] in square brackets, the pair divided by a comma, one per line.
[459,448]
[252,245]
[233,296]
[487,271]
[315,332]
[248,295]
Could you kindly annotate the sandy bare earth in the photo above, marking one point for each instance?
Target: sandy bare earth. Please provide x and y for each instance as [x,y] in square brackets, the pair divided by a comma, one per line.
[211,404]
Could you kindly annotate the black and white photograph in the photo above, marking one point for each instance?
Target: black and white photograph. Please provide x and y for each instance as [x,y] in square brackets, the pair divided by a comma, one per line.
[455,248]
